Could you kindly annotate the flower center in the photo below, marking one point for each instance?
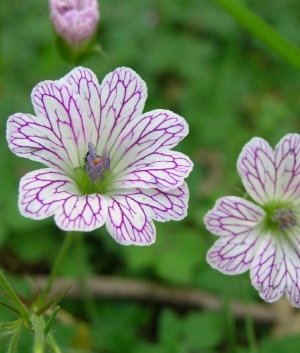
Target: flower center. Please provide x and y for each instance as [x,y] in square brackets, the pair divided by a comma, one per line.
[95,165]
[91,177]
[285,218]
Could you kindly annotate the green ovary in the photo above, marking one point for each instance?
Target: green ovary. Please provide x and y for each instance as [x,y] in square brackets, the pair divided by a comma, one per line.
[85,184]
[280,217]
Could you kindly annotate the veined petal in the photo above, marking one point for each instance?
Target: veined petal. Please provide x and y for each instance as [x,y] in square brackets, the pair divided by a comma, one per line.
[47,192]
[165,171]
[160,205]
[257,170]
[128,222]
[287,162]
[59,109]
[42,192]
[146,161]
[27,137]
[235,220]
[164,206]
[275,269]
[85,83]
[122,98]
[233,254]
[82,213]
[233,216]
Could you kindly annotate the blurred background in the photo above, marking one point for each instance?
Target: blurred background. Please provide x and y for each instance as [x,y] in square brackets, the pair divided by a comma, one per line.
[198,62]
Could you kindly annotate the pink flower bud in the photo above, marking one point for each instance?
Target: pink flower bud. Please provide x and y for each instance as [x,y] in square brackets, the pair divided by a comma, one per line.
[75,20]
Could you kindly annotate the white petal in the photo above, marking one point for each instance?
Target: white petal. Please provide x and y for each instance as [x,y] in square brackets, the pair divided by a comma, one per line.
[237,222]
[233,216]
[287,162]
[122,98]
[47,192]
[141,157]
[128,223]
[257,170]
[276,269]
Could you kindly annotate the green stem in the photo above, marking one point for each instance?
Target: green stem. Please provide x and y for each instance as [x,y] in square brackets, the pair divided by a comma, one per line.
[260,29]
[52,343]
[250,332]
[82,272]
[65,247]
[50,338]
[15,337]
[230,327]
[14,298]
[39,336]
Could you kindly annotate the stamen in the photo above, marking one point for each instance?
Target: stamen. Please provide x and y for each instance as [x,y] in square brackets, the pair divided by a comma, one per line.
[96,165]
[285,217]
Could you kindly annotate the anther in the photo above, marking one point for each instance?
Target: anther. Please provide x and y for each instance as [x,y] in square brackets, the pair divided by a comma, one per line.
[95,165]
[285,217]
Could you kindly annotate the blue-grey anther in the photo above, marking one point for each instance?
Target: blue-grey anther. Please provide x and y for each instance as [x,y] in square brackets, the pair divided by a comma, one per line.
[285,217]
[95,165]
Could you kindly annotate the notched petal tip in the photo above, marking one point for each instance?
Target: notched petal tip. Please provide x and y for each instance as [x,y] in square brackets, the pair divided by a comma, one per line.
[42,192]
[287,162]
[233,216]
[257,170]
[275,269]
[82,213]
[128,223]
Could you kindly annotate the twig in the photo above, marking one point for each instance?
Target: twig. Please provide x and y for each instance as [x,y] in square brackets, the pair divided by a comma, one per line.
[114,288]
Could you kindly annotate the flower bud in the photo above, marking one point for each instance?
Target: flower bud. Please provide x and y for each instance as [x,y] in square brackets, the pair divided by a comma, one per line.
[75,22]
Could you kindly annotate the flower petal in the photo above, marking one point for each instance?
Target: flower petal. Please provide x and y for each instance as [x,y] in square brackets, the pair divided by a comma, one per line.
[159,205]
[257,170]
[85,83]
[233,216]
[275,269]
[28,137]
[55,136]
[47,192]
[82,213]
[127,221]
[235,220]
[122,98]
[146,161]
[287,162]
[164,206]
[42,192]
[60,111]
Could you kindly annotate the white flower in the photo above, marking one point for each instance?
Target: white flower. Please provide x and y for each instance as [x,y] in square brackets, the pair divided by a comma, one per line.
[107,163]
[263,237]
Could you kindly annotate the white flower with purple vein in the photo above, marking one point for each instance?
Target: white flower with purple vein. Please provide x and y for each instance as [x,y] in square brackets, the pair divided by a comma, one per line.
[263,237]
[107,163]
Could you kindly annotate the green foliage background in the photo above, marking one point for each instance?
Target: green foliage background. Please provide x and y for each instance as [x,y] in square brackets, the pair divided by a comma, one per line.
[199,63]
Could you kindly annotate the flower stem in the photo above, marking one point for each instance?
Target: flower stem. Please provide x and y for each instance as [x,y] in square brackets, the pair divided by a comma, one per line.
[260,29]
[230,327]
[39,336]
[83,272]
[250,332]
[53,344]
[14,298]
[65,247]
[50,338]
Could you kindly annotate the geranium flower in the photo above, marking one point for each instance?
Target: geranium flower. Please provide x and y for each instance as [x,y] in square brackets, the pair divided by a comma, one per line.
[107,163]
[263,237]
